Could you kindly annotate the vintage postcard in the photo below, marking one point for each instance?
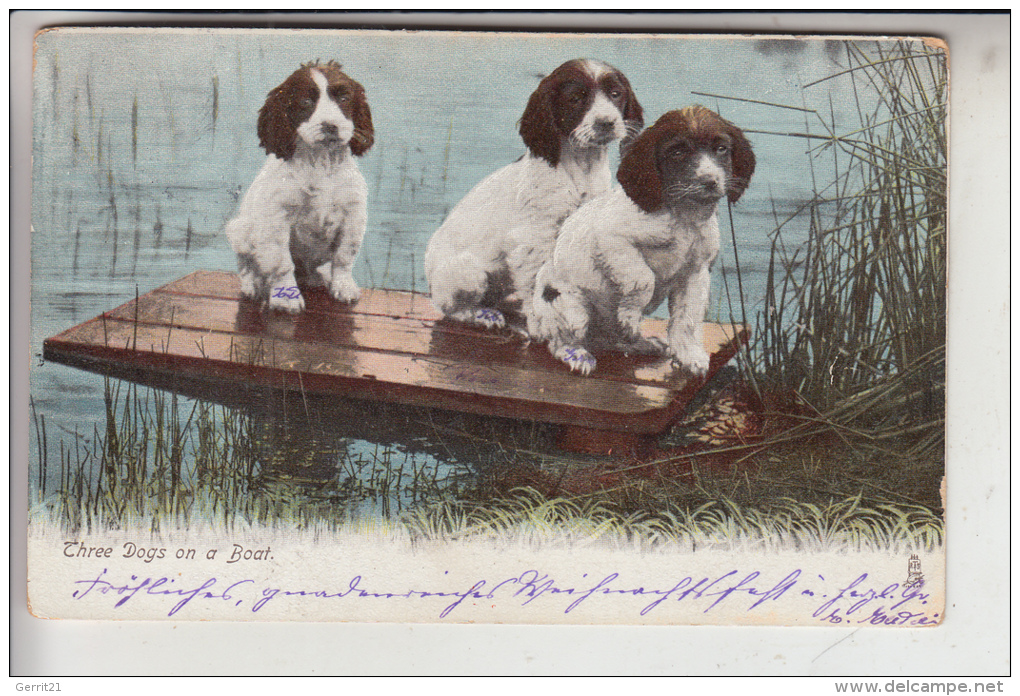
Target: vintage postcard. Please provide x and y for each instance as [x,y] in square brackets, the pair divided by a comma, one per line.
[342,325]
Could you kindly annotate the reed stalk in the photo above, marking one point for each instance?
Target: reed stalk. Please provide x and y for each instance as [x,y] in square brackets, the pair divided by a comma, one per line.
[854,320]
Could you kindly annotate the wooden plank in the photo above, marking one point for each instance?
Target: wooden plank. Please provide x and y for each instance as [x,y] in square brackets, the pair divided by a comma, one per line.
[374,331]
[390,346]
[399,377]
[383,302]
[405,305]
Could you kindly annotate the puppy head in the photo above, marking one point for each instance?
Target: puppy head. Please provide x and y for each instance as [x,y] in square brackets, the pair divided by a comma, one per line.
[692,155]
[318,106]
[584,101]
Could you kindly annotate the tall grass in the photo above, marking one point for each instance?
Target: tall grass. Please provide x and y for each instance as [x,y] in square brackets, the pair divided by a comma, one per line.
[163,464]
[161,461]
[854,321]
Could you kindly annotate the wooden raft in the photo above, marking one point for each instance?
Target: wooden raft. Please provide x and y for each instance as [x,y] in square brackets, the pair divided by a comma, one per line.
[391,346]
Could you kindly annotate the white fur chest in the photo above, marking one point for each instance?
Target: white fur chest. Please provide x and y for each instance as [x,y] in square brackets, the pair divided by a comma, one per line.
[323,196]
[680,250]
[684,246]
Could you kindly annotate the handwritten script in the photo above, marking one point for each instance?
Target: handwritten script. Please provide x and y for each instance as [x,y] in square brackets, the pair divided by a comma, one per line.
[287,292]
[858,602]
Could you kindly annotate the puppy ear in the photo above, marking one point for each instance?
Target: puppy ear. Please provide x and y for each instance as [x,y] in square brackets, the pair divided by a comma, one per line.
[537,126]
[638,173]
[633,116]
[743,161]
[276,133]
[361,115]
[364,131]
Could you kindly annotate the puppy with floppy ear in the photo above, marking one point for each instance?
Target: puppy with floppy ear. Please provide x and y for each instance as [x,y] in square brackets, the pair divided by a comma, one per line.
[654,238]
[492,244]
[305,214]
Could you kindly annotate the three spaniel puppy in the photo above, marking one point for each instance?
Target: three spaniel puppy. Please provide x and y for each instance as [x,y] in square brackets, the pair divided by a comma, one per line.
[304,216]
[548,235]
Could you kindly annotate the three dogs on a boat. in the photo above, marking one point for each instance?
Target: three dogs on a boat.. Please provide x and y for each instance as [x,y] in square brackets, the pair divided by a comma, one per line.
[548,244]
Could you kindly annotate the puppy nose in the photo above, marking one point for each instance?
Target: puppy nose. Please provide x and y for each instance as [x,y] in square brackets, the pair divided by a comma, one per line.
[330,130]
[604,126]
[709,183]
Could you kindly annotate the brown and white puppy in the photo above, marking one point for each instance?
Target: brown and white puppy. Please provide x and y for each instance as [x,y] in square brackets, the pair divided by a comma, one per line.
[621,254]
[494,241]
[304,215]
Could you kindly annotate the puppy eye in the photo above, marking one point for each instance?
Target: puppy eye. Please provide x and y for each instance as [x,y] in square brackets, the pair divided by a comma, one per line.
[722,149]
[306,103]
[615,94]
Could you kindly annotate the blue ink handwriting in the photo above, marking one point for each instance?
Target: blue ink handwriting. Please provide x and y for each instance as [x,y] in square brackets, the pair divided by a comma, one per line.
[857,602]
[287,292]
[856,597]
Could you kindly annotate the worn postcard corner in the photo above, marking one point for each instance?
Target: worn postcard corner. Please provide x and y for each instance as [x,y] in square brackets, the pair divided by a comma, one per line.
[607,329]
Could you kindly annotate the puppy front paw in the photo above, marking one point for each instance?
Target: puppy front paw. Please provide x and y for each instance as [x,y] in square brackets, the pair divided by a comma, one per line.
[286,298]
[344,289]
[576,358]
[481,316]
[489,318]
[694,360]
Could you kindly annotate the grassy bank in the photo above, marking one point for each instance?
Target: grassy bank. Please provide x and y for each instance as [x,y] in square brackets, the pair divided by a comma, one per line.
[212,468]
[849,353]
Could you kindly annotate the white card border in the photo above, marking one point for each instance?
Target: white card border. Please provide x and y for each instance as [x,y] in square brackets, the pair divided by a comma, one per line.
[974,637]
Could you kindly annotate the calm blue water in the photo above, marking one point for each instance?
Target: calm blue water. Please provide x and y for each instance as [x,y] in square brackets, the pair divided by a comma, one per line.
[143,143]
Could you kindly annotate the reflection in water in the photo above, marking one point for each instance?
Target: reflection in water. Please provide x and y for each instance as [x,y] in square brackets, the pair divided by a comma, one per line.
[185,452]
[259,456]
[339,459]
[349,456]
